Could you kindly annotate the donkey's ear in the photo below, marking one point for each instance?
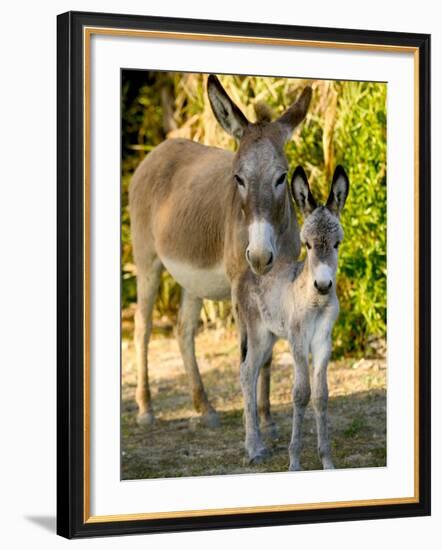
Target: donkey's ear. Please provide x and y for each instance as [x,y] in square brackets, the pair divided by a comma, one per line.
[226,112]
[301,192]
[295,114]
[338,192]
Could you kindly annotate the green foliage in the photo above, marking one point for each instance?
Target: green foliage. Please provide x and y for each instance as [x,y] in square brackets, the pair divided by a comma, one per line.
[346,124]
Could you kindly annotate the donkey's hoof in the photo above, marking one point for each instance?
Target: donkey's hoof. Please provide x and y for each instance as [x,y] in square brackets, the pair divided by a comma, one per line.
[146,419]
[295,468]
[208,420]
[270,431]
[328,465]
[261,456]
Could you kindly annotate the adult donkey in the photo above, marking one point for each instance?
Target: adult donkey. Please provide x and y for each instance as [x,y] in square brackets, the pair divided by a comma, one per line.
[206,214]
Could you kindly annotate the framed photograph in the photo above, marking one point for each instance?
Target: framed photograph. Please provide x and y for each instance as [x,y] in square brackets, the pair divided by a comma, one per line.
[243,274]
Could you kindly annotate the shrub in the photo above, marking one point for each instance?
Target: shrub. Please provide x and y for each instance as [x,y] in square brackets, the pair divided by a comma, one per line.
[346,124]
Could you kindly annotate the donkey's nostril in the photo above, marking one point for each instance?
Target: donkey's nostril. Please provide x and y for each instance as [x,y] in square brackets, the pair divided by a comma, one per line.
[260,261]
[323,287]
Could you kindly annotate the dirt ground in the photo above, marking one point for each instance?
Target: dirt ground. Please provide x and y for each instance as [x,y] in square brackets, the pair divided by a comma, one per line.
[177,445]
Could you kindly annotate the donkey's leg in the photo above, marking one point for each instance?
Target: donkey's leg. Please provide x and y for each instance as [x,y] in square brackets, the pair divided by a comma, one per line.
[148,280]
[268,425]
[263,389]
[301,397]
[188,318]
[321,350]
[259,348]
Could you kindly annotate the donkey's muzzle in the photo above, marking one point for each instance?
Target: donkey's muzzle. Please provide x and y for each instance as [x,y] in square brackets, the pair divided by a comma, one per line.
[261,263]
[323,287]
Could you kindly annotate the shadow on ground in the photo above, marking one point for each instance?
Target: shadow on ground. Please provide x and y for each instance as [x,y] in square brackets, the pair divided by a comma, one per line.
[177,446]
[48,523]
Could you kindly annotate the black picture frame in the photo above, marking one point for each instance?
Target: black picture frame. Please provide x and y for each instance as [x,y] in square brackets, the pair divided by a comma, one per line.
[71,520]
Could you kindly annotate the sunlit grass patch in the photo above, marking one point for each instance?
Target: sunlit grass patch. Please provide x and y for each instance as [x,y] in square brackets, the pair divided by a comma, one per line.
[175,447]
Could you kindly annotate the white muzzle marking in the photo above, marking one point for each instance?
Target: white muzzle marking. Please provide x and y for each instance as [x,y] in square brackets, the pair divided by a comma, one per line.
[261,249]
[323,274]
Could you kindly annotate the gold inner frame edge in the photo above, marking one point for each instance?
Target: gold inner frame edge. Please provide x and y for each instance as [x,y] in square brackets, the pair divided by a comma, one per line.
[87,33]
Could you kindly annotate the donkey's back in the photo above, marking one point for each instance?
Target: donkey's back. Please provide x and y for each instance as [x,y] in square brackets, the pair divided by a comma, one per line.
[172,163]
[178,200]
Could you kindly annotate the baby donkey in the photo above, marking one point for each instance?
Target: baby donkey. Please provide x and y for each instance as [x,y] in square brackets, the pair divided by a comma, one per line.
[297,302]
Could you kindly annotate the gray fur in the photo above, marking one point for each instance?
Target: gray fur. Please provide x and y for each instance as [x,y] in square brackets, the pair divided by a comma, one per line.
[294,303]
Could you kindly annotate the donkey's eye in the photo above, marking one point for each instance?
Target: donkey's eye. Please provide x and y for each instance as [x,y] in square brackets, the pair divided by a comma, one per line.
[337,245]
[280,180]
[239,180]
[308,245]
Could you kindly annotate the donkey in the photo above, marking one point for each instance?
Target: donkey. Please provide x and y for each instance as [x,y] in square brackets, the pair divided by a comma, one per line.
[207,215]
[296,301]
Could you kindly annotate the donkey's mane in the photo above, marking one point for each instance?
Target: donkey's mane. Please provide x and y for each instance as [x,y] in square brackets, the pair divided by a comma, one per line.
[263,112]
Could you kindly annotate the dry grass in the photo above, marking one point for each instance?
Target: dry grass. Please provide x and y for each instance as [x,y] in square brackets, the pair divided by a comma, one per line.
[177,446]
